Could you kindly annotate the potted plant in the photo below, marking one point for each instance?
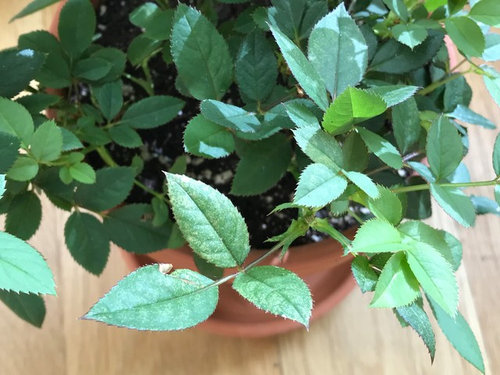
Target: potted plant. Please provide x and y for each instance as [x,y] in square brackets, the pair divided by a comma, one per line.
[335,117]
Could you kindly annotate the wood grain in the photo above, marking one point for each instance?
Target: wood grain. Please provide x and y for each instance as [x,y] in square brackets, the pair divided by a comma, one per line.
[352,339]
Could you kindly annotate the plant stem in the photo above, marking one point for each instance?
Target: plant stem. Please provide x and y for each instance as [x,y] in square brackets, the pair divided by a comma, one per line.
[356,216]
[407,189]
[385,167]
[458,65]
[435,85]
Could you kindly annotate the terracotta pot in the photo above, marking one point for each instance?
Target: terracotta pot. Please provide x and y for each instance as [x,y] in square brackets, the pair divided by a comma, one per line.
[321,265]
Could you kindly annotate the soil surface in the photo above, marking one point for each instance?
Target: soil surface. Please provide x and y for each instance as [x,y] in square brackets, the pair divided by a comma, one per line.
[163,145]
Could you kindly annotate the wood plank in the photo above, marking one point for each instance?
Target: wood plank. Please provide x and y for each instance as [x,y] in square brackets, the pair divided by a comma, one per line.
[352,339]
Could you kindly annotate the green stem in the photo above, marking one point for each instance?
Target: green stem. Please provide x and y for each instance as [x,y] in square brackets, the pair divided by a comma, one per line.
[435,85]
[144,84]
[149,78]
[407,189]
[356,216]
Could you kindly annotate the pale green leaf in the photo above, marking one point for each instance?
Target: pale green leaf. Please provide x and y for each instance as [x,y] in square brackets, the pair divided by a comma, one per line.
[82,172]
[378,236]
[466,35]
[364,274]
[484,205]
[455,203]
[230,116]
[148,299]
[23,169]
[301,112]
[276,290]
[46,142]
[16,120]
[465,114]
[492,82]
[487,11]
[386,206]
[221,235]
[410,34]
[382,148]
[492,48]
[319,146]
[398,7]
[394,94]
[205,138]
[364,182]
[22,268]
[496,156]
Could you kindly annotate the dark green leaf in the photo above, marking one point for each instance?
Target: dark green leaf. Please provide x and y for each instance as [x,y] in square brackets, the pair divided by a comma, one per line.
[411,34]
[149,299]
[256,67]
[303,70]
[459,334]
[396,285]
[444,148]
[319,146]
[24,215]
[92,69]
[417,318]
[111,188]
[221,236]
[131,228]
[352,107]
[33,7]
[205,138]
[276,290]
[87,241]
[318,185]
[25,63]
[29,307]
[76,33]
[201,55]
[467,35]
[355,153]
[116,58]
[254,174]
[9,146]
[35,103]
[386,206]
[406,124]
[152,112]
[141,49]
[46,142]
[230,116]
[398,7]
[338,51]
[207,269]
[455,203]
[457,92]
[125,136]
[23,268]
[110,98]
[364,274]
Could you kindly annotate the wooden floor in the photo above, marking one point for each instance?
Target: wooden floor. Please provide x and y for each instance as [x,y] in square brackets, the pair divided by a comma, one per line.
[352,339]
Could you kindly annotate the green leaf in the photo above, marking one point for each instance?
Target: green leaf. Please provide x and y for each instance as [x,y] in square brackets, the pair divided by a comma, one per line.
[459,334]
[396,284]
[92,69]
[411,34]
[35,103]
[131,228]
[492,82]
[492,47]
[25,63]
[23,169]
[318,185]
[352,107]
[497,193]
[364,274]
[207,139]
[46,142]
[444,148]
[76,33]
[455,6]
[396,58]
[109,98]
[152,112]
[381,147]
[363,182]
[338,51]
[201,55]
[465,114]
[230,116]
[301,112]
[2,185]
[125,136]
[377,236]
[435,275]
[457,92]
[447,245]
[319,146]
[148,299]
[406,124]
[386,206]
[394,94]
[276,290]
[302,69]
[9,147]
[484,205]
[23,268]
[33,7]
[160,210]
[496,156]
[455,203]
[24,215]
[111,188]
[256,67]
[141,49]
[207,269]
[398,7]
[255,174]
[467,35]
[116,58]
[83,172]
[221,236]
[16,120]
[486,11]
[29,307]
[355,153]
[87,241]
[417,318]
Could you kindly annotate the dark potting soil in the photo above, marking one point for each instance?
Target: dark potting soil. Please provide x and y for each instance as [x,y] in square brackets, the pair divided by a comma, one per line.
[163,145]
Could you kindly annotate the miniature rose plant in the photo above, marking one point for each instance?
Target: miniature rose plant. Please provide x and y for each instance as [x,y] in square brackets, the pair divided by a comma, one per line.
[356,99]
